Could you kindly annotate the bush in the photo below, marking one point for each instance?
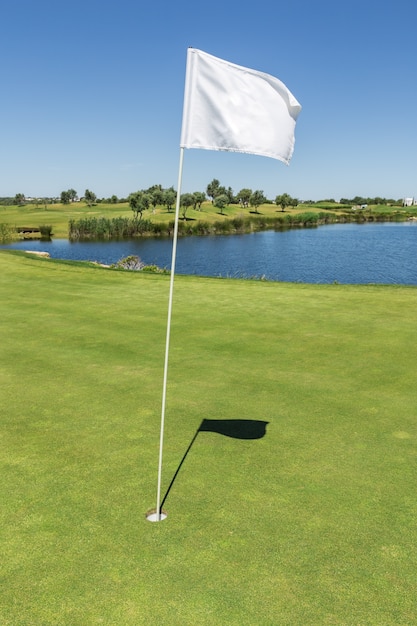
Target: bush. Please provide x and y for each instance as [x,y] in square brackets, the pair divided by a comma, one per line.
[134,263]
[154,269]
[7,233]
[46,231]
[131,262]
[238,224]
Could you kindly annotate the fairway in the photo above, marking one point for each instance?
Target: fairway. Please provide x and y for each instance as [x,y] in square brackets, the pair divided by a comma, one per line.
[312,522]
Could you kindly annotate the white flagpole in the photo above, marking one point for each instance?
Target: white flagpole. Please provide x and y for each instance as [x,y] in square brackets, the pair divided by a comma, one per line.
[157,517]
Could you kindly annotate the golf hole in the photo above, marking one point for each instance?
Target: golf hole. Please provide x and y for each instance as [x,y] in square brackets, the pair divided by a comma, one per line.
[152,515]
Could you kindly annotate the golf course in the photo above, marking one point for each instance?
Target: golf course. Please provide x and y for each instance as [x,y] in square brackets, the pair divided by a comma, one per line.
[299,510]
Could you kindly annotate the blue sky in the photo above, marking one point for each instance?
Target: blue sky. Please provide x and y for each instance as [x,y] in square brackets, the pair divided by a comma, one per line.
[92,94]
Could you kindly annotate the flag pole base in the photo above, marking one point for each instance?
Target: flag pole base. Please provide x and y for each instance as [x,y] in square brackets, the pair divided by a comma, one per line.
[153,516]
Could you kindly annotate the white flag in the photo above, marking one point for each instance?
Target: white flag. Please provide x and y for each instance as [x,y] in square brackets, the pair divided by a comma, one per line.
[237,109]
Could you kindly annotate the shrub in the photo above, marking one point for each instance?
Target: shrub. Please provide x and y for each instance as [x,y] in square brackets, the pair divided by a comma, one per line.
[238,224]
[203,228]
[46,231]
[7,233]
[134,263]
[154,269]
[131,262]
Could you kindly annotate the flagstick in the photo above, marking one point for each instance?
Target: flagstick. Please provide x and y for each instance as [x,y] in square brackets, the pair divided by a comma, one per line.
[157,516]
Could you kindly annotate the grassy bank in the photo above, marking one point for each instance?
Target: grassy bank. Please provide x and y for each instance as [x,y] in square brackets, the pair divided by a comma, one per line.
[208,219]
[314,523]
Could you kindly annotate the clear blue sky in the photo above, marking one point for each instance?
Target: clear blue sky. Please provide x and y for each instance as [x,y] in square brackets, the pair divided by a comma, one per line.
[92,93]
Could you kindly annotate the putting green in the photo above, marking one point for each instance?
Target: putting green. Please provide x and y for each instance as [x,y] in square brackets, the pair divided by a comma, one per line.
[311,521]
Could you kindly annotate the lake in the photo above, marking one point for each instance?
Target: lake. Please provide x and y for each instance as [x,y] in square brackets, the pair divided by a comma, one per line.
[384,253]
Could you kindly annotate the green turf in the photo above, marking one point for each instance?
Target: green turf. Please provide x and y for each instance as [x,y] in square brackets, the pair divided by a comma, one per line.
[58,215]
[315,523]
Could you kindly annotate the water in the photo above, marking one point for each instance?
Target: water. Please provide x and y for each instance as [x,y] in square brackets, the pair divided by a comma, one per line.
[345,253]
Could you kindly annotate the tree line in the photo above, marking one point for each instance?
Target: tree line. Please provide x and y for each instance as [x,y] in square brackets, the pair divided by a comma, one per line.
[220,196]
[359,201]
[156,195]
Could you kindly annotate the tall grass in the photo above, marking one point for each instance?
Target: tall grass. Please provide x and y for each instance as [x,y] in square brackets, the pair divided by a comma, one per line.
[125,228]
[115,228]
[46,231]
[7,233]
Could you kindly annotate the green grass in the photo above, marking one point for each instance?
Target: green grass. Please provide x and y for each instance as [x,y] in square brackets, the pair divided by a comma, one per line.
[315,523]
[58,215]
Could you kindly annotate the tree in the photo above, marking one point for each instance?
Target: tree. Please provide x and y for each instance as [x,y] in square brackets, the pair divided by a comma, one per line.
[154,188]
[90,197]
[139,201]
[283,201]
[222,191]
[134,203]
[65,197]
[19,198]
[199,197]
[146,200]
[221,202]
[186,200]
[243,197]
[256,199]
[213,189]
[114,199]
[230,195]
[68,196]
[169,197]
[157,197]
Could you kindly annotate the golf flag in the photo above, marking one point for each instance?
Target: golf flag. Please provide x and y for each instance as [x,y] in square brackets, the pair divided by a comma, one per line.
[236,109]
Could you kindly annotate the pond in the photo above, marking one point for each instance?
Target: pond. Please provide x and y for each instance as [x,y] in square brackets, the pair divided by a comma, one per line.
[384,253]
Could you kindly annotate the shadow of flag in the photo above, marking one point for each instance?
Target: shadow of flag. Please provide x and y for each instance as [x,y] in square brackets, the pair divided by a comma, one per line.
[238,429]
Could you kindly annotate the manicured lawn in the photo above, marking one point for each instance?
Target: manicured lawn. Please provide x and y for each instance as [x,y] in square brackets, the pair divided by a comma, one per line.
[314,523]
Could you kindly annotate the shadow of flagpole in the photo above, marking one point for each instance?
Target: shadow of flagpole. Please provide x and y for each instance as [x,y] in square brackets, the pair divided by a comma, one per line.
[177,471]
[237,429]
